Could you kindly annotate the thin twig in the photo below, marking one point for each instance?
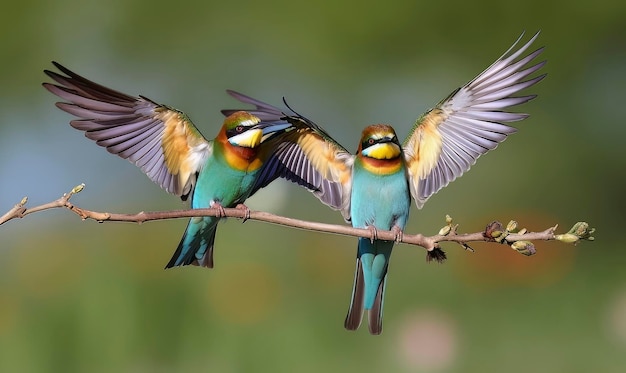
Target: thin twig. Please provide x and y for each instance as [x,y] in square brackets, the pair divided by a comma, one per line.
[493,233]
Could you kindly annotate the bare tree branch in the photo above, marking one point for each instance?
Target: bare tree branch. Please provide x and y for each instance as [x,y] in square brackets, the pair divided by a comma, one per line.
[520,240]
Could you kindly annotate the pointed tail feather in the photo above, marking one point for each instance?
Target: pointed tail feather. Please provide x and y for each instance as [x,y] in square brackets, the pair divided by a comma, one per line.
[198,239]
[374,257]
[375,316]
[207,259]
[355,312]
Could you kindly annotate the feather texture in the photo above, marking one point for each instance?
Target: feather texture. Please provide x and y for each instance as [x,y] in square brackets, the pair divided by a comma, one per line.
[373,188]
[161,141]
[447,140]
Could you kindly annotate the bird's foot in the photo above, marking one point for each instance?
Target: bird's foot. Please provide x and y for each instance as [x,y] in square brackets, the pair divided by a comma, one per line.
[246,212]
[220,209]
[397,233]
[373,233]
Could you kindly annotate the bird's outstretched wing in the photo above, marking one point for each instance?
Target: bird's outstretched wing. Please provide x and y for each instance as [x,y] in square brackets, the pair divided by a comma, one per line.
[304,154]
[448,139]
[161,141]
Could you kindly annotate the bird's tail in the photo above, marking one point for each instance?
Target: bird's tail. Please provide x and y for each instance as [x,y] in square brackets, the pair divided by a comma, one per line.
[196,246]
[355,312]
[369,284]
[375,316]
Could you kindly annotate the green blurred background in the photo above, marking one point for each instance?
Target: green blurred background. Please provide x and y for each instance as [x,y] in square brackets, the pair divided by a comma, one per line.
[86,297]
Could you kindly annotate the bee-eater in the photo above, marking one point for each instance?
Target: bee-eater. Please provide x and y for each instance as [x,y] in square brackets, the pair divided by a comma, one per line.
[169,149]
[372,188]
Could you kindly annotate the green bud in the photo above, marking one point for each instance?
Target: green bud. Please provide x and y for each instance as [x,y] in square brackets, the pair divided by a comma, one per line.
[579,228]
[494,231]
[511,226]
[567,238]
[445,230]
[448,220]
[582,231]
[23,201]
[78,188]
[524,247]
[522,231]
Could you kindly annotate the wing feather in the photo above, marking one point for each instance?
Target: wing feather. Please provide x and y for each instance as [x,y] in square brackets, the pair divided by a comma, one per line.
[448,139]
[161,141]
[309,159]
[306,155]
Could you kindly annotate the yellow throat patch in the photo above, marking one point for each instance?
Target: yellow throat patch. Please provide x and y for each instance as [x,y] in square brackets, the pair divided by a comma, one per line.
[383,151]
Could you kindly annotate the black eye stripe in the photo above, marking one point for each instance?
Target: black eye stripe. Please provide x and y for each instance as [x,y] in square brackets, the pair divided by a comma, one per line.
[237,130]
[373,141]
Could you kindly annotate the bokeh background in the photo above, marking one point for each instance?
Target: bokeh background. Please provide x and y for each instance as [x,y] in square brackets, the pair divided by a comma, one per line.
[85,297]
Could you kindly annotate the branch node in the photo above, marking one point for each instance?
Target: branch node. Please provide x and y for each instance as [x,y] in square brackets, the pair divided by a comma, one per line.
[494,232]
[449,228]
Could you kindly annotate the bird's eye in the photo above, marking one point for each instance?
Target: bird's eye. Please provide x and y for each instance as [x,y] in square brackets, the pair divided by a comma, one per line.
[371,141]
[239,128]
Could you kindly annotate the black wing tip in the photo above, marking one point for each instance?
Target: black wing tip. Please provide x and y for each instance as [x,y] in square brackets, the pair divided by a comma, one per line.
[155,103]
[233,93]
[56,77]
[63,69]
[49,86]
[50,73]
[237,95]
[541,77]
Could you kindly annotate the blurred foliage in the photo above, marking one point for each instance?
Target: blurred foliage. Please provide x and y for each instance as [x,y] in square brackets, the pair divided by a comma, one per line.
[77,297]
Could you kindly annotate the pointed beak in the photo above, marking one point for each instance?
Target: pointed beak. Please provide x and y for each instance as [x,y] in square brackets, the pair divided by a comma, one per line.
[249,139]
[270,127]
[385,149]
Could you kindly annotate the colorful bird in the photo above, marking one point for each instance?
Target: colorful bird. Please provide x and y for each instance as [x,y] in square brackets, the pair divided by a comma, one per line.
[169,149]
[372,188]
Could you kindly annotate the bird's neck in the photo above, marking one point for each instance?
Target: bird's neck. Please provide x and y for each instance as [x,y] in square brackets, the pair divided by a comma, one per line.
[381,166]
[239,157]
